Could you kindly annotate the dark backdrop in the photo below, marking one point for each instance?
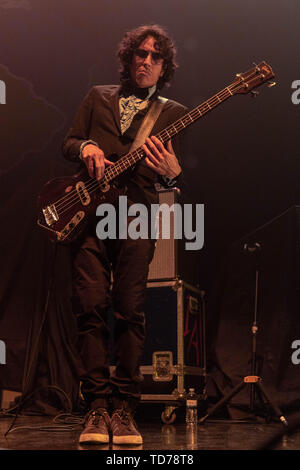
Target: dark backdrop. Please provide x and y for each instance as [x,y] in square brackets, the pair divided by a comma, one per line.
[241,161]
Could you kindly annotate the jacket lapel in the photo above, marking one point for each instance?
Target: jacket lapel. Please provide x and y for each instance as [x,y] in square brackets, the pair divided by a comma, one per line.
[114,100]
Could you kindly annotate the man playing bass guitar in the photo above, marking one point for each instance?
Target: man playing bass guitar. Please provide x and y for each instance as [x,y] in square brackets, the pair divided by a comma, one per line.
[107,122]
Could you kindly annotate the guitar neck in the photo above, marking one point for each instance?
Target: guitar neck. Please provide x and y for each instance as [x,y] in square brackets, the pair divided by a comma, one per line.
[244,83]
[193,115]
[127,161]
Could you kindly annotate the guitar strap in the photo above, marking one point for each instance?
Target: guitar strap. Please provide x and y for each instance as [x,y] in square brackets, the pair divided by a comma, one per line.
[148,122]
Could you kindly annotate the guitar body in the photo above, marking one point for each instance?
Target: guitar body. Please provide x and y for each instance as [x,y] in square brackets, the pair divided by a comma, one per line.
[65,204]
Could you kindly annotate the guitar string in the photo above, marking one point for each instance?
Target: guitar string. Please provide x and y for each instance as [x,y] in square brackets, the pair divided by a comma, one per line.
[122,161]
[178,126]
[93,184]
[113,172]
[62,204]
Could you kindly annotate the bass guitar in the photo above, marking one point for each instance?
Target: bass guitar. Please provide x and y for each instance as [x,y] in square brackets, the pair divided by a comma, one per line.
[65,203]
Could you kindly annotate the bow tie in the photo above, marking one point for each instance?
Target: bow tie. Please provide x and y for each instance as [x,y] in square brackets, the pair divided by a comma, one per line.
[130,90]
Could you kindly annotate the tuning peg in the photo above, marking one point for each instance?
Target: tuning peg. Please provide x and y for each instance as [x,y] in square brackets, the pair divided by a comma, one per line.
[256,66]
[270,84]
[254,93]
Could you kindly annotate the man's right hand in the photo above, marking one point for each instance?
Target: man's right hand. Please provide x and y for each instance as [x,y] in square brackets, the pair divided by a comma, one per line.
[94,160]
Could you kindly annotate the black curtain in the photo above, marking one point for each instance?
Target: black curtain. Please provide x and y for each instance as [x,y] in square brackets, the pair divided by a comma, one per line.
[232,310]
[241,162]
[36,321]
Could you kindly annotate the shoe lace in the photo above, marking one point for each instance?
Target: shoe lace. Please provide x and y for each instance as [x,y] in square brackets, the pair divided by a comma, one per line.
[125,417]
[96,415]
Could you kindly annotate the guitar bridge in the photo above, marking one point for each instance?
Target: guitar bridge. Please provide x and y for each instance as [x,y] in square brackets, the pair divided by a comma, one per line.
[50,215]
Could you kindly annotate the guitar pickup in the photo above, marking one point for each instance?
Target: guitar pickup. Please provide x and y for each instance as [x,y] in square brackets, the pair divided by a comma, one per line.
[70,226]
[50,215]
[83,193]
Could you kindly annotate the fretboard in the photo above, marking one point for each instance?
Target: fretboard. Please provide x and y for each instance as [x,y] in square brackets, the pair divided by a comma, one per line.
[130,159]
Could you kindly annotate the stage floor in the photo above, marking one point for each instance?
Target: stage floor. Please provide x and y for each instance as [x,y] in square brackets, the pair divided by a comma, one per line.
[42,433]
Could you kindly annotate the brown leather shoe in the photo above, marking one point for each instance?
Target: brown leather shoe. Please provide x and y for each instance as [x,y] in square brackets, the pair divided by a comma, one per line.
[124,428]
[96,427]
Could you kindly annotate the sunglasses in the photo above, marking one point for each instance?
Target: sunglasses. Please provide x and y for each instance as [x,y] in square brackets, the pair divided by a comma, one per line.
[142,54]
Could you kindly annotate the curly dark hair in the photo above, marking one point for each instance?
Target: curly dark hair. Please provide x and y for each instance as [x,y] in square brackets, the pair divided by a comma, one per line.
[164,44]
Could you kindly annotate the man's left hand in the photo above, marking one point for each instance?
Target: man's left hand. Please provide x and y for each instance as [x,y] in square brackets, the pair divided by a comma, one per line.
[160,158]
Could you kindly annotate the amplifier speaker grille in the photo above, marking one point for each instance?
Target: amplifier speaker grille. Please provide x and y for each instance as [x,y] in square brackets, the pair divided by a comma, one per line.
[164,262]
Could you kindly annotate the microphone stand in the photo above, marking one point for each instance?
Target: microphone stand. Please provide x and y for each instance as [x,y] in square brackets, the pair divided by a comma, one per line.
[253,380]
[255,249]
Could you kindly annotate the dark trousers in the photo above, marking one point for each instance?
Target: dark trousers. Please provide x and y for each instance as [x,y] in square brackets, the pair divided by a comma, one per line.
[93,261]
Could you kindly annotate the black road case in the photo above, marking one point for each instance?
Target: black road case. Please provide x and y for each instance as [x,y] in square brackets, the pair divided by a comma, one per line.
[174,357]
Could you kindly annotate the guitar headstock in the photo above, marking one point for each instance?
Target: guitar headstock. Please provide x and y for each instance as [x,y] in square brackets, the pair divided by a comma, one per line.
[245,82]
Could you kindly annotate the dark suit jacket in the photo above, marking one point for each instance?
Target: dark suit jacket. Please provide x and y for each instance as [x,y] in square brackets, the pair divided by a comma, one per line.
[98,119]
